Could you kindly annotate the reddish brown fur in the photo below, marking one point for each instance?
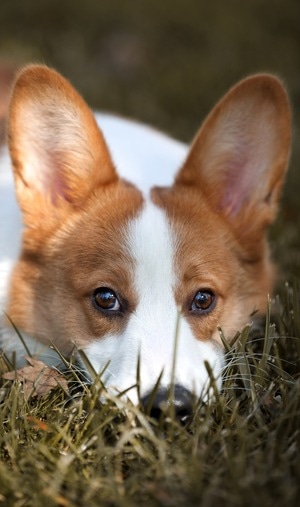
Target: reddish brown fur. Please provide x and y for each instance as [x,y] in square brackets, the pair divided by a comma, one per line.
[57,275]
[221,243]
[202,168]
[78,154]
[210,257]
[221,248]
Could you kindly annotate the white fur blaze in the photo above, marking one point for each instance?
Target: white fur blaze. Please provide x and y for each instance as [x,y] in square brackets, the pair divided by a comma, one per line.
[150,332]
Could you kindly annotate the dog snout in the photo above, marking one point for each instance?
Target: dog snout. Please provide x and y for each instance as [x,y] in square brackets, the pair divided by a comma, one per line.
[178,399]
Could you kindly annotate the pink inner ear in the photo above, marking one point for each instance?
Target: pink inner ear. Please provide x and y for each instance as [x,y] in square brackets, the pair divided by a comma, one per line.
[58,188]
[45,170]
[55,181]
[236,187]
[243,170]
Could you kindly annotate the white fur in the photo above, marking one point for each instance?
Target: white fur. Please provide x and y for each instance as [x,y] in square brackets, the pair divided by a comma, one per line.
[10,226]
[141,154]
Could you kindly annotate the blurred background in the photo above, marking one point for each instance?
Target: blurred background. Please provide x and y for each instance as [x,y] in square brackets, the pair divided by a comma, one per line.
[164,62]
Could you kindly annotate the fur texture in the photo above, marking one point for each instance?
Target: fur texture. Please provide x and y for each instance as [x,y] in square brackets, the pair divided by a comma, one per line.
[124,227]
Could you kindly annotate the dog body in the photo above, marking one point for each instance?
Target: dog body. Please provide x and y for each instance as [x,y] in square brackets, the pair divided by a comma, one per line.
[125,229]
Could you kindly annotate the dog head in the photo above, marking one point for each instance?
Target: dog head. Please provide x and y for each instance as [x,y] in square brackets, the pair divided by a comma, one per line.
[108,269]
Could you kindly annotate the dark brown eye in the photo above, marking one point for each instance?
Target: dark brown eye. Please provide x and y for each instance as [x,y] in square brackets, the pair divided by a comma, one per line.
[106,299]
[203,302]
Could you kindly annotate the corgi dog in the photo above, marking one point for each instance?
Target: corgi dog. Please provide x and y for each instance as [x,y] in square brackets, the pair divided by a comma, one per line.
[114,229]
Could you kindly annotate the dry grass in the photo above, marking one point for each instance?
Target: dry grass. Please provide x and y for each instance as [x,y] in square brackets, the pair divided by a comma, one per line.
[241,449]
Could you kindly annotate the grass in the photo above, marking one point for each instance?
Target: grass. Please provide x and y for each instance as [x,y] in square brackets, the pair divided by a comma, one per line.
[241,449]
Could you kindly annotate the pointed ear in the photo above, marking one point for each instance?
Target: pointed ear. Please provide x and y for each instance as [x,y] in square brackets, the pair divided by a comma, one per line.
[240,155]
[58,152]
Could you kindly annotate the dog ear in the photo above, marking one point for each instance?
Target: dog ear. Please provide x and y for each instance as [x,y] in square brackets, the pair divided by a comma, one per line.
[240,155]
[58,152]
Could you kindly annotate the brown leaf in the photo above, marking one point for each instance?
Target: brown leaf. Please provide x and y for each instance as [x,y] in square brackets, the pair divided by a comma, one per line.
[38,424]
[38,379]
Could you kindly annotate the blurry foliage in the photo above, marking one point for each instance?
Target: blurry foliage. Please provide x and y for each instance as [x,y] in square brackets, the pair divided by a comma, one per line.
[165,62]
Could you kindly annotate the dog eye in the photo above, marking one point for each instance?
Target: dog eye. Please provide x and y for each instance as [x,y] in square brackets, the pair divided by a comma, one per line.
[203,302]
[106,299]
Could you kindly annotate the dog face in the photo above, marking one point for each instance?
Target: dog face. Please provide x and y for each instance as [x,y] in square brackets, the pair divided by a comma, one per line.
[109,269]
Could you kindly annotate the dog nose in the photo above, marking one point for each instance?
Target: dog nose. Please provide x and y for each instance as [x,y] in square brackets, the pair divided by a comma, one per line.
[180,400]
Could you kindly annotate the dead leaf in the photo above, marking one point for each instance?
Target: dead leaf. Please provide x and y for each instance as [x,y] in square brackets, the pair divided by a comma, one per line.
[38,424]
[37,378]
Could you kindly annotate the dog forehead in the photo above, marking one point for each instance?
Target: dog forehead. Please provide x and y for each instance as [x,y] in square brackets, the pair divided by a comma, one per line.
[152,245]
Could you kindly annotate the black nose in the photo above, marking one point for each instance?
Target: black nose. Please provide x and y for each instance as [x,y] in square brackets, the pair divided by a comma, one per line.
[179,399]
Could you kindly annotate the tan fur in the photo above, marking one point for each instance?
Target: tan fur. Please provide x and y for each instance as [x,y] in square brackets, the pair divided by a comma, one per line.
[65,135]
[87,187]
[52,286]
[210,257]
[223,245]
[221,239]
[254,115]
